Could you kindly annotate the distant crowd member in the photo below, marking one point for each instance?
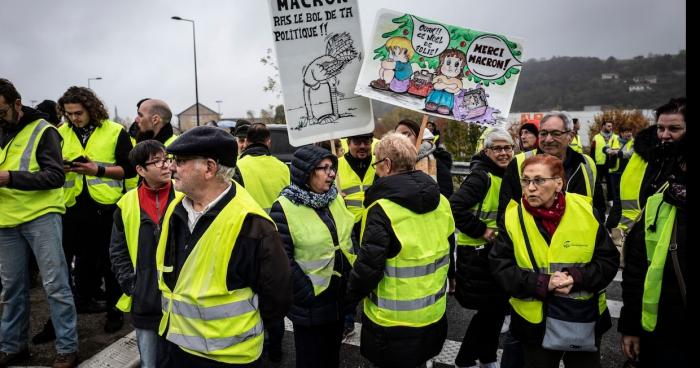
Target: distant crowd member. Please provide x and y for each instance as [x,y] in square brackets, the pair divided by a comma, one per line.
[425,160]
[218,251]
[529,137]
[554,258]
[240,132]
[316,230]
[400,273]
[30,220]
[604,148]
[50,108]
[575,138]
[137,224]
[619,163]
[96,159]
[475,207]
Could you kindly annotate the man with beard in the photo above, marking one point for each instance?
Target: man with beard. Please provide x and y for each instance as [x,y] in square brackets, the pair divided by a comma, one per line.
[31,193]
[153,121]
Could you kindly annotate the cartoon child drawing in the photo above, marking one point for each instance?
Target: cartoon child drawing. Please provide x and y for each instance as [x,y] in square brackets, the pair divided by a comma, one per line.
[447,83]
[395,72]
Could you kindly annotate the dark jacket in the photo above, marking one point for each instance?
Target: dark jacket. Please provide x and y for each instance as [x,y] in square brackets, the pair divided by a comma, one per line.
[444,171]
[574,183]
[257,261]
[48,156]
[393,346]
[661,159]
[672,315]
[476,287]
[593,277]
[141,285]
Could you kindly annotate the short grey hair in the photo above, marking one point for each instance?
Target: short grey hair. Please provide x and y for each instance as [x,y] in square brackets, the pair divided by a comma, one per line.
[497,135]
[568,124]
[399,149]
[225,173]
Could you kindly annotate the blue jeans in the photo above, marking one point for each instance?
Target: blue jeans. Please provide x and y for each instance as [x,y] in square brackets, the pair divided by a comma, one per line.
[148,341]
[43,236]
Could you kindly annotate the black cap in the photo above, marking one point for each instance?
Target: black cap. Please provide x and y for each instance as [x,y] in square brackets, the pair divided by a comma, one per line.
[362,136]
[207,141]
[241,130]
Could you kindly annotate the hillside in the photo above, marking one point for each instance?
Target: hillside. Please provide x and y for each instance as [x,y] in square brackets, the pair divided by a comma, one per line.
[570,83]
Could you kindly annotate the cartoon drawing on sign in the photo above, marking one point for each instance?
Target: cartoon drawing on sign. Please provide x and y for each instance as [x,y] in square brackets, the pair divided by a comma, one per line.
[395,71]
[457,72]
[340,51]
[447,83]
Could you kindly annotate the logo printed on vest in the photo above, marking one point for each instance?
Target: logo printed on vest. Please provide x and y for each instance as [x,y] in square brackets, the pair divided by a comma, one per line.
[568,243]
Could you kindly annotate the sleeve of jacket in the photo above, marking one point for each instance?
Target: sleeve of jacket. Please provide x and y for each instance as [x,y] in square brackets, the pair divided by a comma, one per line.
[237,176]
[121,153]
[633,275]
[50,160]
[273,282]
[444,171]
[510,189]
[599,273]
[301,284]
[472,192]
[122,267]
[515,281]
[376,246]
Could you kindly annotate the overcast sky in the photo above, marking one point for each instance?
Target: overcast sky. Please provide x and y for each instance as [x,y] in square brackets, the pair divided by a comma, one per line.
[48,45]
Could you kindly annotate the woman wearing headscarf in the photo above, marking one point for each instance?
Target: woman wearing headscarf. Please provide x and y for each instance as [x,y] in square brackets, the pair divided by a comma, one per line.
[315,227]
[554,259]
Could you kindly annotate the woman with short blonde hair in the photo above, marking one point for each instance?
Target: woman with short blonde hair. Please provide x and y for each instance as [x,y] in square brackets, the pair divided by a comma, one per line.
[399,152]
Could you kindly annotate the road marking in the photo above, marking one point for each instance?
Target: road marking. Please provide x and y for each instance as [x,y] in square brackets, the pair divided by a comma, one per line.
[122,353]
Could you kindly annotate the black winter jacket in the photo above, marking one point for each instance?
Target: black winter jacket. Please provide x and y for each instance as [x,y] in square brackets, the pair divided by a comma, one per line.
[574,183]
[593,277]
[672,315]
[309,309]
[142,284]
[476,287]
[393,346]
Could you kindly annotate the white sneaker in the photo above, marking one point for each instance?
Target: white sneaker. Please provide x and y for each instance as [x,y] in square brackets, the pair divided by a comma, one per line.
[506,325]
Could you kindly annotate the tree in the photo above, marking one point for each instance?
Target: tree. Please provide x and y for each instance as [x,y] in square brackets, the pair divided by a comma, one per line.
[273,81]
[279,115]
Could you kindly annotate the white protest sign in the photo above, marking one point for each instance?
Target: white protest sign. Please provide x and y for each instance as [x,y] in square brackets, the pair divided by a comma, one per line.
[319,53]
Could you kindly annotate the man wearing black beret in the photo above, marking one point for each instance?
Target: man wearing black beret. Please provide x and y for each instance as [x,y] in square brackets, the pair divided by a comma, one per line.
[221,266]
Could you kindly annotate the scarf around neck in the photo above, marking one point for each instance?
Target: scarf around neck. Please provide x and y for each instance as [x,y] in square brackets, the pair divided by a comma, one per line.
[550,217]
[301,196]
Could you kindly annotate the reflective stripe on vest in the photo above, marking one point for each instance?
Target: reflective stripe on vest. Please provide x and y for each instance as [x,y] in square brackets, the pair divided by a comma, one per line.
[202,316]
[412,291]
[630,187]
[573,243]
[589,175]
[130,207]
[663,215]
[314,249]
[100,148]
[264,177]
[353,187]
[613,143]
[486,211]
[21,206]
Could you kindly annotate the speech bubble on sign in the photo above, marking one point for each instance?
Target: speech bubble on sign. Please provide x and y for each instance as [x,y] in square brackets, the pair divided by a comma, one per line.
[489,57]
[429,39]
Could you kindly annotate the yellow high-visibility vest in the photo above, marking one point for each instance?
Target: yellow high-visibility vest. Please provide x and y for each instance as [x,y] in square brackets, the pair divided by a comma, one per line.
[202,316]
[572,245]
[314,249]
[613,142]
[264,177]
[576,143]
[21,206]
[486,211]
[353,187]
[587,168]
[412,291]
[100,148]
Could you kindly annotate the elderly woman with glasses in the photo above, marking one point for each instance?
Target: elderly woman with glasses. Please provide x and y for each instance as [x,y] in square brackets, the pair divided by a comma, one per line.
[553,251]
[474,207]
[401,270]
[315,227]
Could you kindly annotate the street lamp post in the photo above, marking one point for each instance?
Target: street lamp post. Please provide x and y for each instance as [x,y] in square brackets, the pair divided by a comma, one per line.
[218,102]
[95,78]
[194,42]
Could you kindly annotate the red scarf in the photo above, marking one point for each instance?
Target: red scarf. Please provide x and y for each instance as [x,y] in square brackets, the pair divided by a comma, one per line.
[551,216]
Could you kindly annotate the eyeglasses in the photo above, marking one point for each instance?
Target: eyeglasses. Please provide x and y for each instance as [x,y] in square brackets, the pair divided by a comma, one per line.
[553,133]
[375,163]
[327,169]
[160,163]
[498,149]
[525,182]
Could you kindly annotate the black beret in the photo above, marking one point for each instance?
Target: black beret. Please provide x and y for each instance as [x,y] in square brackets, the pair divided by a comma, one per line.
[207,141]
